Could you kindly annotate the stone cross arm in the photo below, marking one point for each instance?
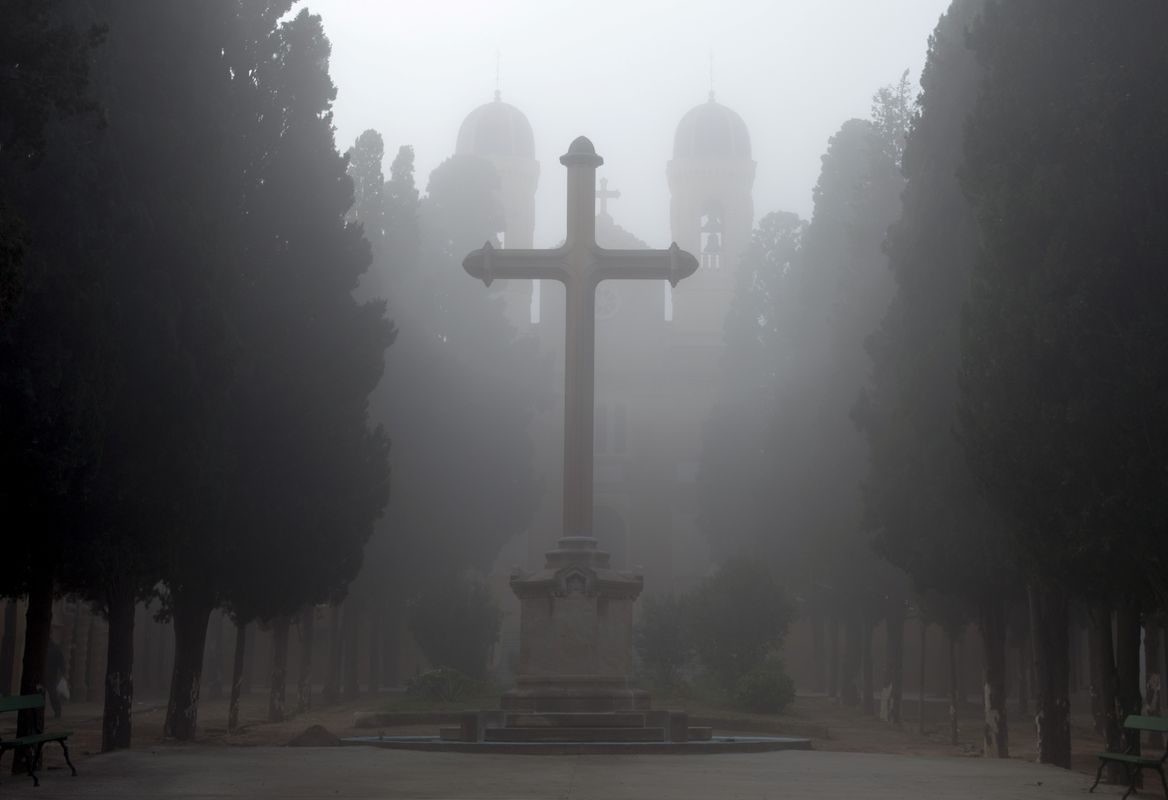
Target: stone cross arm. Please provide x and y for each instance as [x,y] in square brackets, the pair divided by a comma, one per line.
[488,264]
[670,265]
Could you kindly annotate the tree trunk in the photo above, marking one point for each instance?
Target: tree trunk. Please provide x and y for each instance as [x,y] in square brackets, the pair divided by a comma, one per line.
[1076,659]
[390,644]
[996,732]
[817,665]
[8,648]
[1103,682]
[833,661]
[190,615]
[79,649]
[92,674]
[850,668]
[331,692]
[953,729]
[276,696]
[1025,664]
[144,656]
[866,702]
[236,676]
[304,676]
[38,627]
[119,672]
[166,648]
[215,656]
[1152,681]
[75,653]
[1049,623]
[924,632]
[962,693]
[350,625]
[245,682]
[893,692]
[1127,669]
[374,647]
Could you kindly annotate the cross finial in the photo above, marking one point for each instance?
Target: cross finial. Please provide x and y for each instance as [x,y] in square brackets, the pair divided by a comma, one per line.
[604,194]
[498,70]
[711,74]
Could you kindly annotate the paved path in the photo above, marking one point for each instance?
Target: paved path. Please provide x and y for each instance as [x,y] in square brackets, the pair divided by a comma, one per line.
[166,773]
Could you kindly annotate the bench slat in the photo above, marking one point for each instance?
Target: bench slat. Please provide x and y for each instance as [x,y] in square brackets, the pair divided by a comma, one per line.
[1142,723]
[1127,758]
[35,738]
[22,701]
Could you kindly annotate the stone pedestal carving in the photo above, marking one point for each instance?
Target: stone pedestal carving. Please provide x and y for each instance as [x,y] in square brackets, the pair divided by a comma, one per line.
[576,634]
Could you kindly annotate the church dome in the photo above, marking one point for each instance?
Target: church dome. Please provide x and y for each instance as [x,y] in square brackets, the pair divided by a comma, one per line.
[496,129]
[711,130]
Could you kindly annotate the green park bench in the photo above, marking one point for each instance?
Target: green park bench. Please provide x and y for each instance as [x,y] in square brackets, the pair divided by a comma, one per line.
[34,742]
[1134,764]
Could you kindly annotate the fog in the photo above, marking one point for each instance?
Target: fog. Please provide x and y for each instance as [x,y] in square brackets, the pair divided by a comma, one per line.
[623,74]
[279,367]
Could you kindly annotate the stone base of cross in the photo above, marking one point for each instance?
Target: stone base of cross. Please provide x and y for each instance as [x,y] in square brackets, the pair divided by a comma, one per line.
[576,621]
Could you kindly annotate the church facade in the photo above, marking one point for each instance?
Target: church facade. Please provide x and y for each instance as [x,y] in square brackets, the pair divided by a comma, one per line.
[657,349]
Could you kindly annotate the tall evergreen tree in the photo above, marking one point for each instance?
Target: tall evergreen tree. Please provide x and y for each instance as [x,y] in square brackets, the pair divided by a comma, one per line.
[464,386]
[48,392]
[928,516]
[844,288]
[313,474]
[293,430]
[737,471]
[1064,415]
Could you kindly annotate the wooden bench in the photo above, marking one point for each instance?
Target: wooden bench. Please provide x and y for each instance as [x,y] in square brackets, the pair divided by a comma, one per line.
[1134,764]
[33,743]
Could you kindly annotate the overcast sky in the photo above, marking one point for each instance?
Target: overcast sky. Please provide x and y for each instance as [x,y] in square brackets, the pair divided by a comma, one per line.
[623,74]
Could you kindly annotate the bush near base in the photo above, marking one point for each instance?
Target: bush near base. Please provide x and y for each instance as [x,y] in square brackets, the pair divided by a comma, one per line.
[766,689]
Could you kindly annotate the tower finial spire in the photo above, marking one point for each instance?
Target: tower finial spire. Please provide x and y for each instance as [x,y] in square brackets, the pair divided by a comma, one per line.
[498,70]
[711,74]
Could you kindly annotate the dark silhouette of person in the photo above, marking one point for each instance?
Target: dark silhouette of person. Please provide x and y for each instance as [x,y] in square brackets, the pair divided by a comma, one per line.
[54,671]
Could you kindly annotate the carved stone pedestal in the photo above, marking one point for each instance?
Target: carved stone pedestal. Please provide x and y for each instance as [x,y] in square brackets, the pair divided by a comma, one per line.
[576,634]
[575,661]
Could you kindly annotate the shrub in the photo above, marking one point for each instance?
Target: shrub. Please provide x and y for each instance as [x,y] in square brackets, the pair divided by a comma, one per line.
[456,623]
[662,639]
[738,617]
[444,684]
[766,689]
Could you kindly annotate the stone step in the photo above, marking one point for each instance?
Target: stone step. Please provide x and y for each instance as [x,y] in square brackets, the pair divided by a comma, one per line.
[574,734]
[617,719]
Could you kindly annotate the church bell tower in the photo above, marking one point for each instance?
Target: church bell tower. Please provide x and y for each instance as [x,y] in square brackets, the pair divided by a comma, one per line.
[500,133]
[711,179]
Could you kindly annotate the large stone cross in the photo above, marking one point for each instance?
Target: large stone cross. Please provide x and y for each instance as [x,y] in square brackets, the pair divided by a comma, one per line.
[580,264]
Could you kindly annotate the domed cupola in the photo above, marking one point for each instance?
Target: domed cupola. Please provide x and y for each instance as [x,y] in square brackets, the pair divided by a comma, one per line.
[711,130]
[496,129]
[500,133]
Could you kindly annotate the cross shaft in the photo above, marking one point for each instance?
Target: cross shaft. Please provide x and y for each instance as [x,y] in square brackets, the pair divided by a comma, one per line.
[580,264]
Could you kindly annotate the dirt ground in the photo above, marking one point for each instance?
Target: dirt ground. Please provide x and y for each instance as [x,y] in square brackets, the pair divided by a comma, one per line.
[831,726]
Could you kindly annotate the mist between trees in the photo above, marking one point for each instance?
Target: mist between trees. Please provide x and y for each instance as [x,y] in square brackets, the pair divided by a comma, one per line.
[944,396]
